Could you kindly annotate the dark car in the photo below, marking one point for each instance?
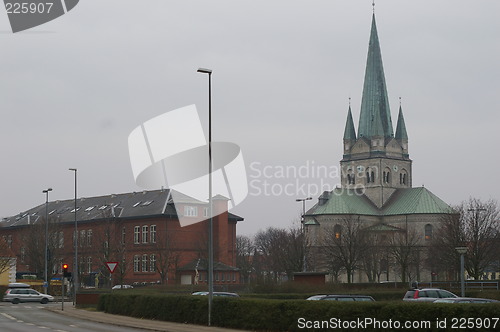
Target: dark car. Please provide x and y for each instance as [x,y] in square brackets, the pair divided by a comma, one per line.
[427,295]
[465,300]
[351,298]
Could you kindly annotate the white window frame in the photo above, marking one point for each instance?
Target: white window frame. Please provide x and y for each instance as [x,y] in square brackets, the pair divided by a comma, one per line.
[137,231]
[136,263]
[144,265]
[145,233]
[152,233]
[190,211]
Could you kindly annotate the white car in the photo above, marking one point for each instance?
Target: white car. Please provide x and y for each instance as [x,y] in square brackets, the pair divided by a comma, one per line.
[17,295]
[122,287]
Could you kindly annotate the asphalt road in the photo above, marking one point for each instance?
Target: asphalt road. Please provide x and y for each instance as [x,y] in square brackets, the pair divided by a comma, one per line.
[32,317]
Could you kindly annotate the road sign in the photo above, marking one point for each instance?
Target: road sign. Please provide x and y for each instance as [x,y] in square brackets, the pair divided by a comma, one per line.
[111,266]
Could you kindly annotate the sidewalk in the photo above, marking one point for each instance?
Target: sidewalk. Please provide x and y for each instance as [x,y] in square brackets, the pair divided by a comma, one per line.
[146,324]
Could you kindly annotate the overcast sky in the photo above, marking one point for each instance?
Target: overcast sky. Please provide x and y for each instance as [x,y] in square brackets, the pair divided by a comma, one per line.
[72,90]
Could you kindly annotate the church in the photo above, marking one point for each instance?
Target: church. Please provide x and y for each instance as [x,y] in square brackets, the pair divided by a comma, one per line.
[376,197]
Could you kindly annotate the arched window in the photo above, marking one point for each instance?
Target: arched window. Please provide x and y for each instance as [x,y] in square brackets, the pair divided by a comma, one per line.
[428,232]
[387,176]
[337,231]
[403,177]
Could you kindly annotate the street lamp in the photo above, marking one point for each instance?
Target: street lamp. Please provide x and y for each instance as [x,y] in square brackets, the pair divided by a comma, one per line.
[46,283]
[462,251]
[303,200]
[210,223]
[75,269]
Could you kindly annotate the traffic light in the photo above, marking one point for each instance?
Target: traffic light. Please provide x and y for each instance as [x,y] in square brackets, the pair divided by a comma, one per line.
[66,274]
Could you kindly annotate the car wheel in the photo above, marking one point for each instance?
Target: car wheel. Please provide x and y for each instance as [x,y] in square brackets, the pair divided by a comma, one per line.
[44,300]
[15,301]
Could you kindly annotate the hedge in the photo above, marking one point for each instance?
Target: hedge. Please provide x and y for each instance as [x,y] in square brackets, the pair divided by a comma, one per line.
[283,315]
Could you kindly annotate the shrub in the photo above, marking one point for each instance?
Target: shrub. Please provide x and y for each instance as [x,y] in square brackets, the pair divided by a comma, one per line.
[282,315]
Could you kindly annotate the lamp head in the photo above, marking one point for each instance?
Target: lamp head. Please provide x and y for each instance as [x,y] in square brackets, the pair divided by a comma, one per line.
[204,71]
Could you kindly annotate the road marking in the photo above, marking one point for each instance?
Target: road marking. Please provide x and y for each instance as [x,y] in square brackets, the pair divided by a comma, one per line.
[8,316]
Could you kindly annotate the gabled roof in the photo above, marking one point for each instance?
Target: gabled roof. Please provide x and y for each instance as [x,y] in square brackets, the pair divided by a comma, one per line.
[405,201]
[374,103]
[415,201]
[141,204]
[344,201]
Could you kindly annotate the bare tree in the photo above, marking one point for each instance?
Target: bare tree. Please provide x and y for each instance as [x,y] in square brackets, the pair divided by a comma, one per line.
[481,233]
[5,256]
[280,251]
[245,250]
[376,251]
[404,248]
[475,226]
[34,238]
[166,257]
[345,244]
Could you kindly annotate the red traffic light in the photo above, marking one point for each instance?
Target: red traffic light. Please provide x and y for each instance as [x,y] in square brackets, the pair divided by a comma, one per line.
[65,266]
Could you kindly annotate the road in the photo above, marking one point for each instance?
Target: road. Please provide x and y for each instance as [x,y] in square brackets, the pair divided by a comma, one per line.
[32,317]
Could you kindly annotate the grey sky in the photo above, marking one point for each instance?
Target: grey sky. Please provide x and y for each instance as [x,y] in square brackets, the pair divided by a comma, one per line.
[73,89]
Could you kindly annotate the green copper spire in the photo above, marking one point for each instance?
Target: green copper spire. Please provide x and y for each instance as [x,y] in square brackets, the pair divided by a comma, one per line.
[374,104]
[349,131]
[401,127]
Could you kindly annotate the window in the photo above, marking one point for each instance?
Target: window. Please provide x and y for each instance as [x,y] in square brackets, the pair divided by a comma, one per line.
[137,230]
[89,238]
[428,232]
[387,176]
[145,234]
[83,235]
[205,212]
[337,231]
[190,211]
[136,263]
[61,240]
[152,263]
[89,264]
[23,254]
[9,241]
[144,263]
[152,233]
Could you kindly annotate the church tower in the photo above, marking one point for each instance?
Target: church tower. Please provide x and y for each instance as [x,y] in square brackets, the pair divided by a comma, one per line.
[375,160]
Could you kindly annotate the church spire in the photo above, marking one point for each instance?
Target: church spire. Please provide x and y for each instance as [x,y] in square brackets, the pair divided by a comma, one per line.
[374,103]
[401,127]
[349,131]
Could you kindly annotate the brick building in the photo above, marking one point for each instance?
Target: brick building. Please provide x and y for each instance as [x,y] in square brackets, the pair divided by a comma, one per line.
[139,230]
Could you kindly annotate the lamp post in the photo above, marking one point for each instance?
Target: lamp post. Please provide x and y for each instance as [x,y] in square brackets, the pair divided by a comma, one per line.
[75,268]
[462,251]
[210,223]
[303,200]
[46,274]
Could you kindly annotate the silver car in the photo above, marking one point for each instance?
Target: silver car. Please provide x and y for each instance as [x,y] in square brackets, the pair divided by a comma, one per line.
[17,295]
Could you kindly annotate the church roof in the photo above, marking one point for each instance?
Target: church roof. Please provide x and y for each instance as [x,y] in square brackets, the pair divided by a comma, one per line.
[415,201]
[375,118]
[405,201]
[344,201]
[349,131]
[401,127]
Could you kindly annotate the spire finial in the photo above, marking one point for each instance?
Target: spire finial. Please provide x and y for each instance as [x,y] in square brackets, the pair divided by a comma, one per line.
[349,101]
[399,101]
[373,5]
